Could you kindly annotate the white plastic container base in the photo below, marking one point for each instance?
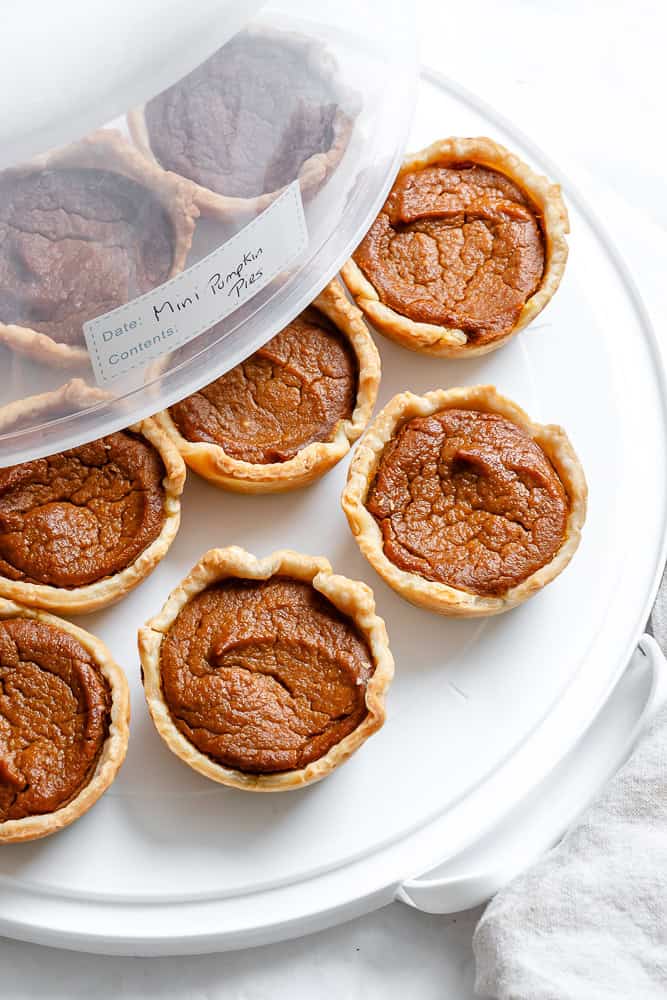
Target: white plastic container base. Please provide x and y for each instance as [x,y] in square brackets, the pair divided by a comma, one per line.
[366,55]
[480,712]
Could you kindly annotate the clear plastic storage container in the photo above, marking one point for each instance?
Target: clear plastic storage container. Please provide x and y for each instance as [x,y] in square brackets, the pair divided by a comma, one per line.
[178,181]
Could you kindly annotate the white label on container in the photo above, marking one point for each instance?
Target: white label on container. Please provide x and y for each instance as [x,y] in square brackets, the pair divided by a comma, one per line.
[175,312]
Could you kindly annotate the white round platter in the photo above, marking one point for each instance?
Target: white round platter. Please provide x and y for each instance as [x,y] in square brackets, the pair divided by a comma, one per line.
[479,713]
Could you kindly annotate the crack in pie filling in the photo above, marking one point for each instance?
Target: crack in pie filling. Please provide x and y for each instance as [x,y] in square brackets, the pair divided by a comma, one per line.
[64,711]
[80,528]
[463,504]
[288,412]
[291,392]
[265,674]
[468,248]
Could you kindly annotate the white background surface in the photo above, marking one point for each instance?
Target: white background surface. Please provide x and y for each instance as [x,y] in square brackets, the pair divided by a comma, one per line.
[587,82]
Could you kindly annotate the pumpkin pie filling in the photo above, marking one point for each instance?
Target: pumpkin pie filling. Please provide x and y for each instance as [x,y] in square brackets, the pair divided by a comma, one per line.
[467,498]
[264,676]
[292,392]
[459,246]
[54,718]
[244,122]
[76,243]
[81,515]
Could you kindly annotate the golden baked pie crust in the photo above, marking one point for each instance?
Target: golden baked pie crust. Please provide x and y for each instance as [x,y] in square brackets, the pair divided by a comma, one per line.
[113,750]
[106,150]
[101,593]
[213,463]
[429,594]
[442,341]
[351,597]
[314,171]
[72,396]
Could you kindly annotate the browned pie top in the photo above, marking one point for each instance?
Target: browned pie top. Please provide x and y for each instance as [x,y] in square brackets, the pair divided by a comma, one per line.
[467,498]
[264,676]
[243,123]
[459,246]
[81,515]
[54,717]
[293,391]
[75,243]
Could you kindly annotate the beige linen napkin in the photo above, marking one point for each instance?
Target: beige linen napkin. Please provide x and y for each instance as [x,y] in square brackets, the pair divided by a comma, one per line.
[589,920]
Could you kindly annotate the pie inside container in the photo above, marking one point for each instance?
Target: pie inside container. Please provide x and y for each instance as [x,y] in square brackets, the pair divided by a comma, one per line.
[479,711]
[98,65]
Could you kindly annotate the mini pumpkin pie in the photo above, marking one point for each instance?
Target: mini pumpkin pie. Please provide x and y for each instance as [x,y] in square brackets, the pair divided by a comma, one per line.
[461,503]
[84,229]
[64,717]
[265,110]
[288,413]
[81,528]
[468,248]
[266,674]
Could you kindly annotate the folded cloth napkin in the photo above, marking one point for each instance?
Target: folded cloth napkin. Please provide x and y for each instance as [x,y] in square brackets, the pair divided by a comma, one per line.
[589,920]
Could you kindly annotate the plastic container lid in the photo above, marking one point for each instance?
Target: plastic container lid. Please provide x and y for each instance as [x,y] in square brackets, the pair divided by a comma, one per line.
[178,182]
